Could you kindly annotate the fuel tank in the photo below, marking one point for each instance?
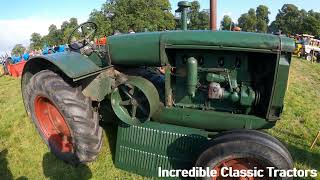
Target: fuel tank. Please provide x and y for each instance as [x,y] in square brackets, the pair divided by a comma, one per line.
[149,49]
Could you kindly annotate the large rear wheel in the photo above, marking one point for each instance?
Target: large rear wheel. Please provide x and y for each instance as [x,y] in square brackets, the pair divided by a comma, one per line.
[245,150]
[64,117]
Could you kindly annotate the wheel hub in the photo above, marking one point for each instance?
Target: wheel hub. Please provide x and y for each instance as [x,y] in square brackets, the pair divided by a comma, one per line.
[135,101]
[53,125]
[236,164]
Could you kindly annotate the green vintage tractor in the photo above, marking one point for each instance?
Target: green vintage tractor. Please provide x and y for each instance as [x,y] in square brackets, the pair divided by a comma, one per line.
[217,90]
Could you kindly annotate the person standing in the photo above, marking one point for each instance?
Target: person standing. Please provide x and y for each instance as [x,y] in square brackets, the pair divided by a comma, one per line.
[131,31]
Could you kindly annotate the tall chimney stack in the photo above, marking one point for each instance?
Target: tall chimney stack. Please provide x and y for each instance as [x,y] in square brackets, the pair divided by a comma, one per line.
[213,15]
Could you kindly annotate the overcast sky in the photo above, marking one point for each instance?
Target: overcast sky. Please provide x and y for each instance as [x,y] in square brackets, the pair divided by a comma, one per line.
[19,19]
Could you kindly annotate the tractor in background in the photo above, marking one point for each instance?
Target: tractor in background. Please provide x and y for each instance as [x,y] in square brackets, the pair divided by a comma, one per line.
[307,47]
[206,108]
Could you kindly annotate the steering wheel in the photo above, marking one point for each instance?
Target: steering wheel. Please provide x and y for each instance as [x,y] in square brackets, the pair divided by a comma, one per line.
[84,32]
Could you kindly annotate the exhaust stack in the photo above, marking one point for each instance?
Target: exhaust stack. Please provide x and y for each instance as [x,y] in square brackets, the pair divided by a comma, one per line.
[183,7]
[213,15]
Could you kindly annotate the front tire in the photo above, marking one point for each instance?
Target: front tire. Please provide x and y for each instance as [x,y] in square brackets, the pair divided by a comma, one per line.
[245,150]
[64,118]
[309,57]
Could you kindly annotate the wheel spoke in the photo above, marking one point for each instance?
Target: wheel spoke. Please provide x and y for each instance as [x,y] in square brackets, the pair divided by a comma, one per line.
[89,34]
[141,99]
[143,110]
[125,103]
[134,111]
[126,92]
[132,90]
[82,32]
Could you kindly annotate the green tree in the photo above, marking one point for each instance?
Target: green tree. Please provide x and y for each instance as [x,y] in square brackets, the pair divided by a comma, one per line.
[273,27]
[289,19]
[311,25]
[204,19]
[248,21]
[104,23]
[226,23]
[52,28]
[55,36]
[198,19]
[262,26]
[18,49]
[36,41]
[67,27]
[139,15]
[262,14]
[194,15]
[73,22]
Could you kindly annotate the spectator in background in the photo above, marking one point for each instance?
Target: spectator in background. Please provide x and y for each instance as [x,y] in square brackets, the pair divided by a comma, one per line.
[116,32]
[131,31]
[26,56]
[16,59]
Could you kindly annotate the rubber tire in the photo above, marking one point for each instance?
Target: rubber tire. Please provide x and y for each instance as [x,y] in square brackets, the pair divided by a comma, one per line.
[309,57]
[251,133]
[76,109]
[242,144]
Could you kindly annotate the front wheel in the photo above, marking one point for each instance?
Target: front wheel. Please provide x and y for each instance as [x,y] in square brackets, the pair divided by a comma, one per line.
[309,57]
[245,151]
[64,118]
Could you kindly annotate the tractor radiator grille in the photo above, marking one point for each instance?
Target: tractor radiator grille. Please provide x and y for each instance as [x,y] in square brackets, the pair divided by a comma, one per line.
[143,149]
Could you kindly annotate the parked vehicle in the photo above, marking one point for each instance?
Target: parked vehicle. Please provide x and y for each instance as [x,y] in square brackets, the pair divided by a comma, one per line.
[217,91]
[307,47]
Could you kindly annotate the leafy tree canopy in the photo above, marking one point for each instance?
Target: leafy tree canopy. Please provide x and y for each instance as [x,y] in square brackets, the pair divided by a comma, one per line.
[226,23]
[18,50]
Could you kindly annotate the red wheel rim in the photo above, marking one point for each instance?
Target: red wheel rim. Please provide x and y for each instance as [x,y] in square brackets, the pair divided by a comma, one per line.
[53,125]
[237,164]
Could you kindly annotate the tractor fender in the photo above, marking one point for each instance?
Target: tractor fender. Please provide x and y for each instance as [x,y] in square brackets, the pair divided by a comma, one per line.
[72,64]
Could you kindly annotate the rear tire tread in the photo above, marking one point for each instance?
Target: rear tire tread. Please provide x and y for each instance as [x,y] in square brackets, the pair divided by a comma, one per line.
[77,110]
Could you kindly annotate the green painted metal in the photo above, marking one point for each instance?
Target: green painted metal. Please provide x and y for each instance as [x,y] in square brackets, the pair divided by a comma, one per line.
[228,39]
[74,65]
[149,48]
[120,96]
[247,96]
[195,69]
[212,77]
[192,78]
[234,96]
[210,120]
[135,49]
[221,63]
[214,81]
[143,149]
[183,7]
[95,58]
[279,87]
[168,87]
[97,88]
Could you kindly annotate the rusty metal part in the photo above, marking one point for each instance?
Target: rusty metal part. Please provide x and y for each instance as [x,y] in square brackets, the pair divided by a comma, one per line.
[213,15]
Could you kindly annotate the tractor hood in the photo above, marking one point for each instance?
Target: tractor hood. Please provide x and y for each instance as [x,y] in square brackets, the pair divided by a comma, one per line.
[149,48]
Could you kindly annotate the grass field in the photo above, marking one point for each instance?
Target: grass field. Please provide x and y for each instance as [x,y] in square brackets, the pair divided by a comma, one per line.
[24,156]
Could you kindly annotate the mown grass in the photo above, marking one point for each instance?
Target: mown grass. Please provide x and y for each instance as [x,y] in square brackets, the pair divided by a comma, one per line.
[300,121]
[24,156]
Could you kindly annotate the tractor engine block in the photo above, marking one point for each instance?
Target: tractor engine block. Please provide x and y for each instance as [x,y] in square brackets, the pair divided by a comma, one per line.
[235,82]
